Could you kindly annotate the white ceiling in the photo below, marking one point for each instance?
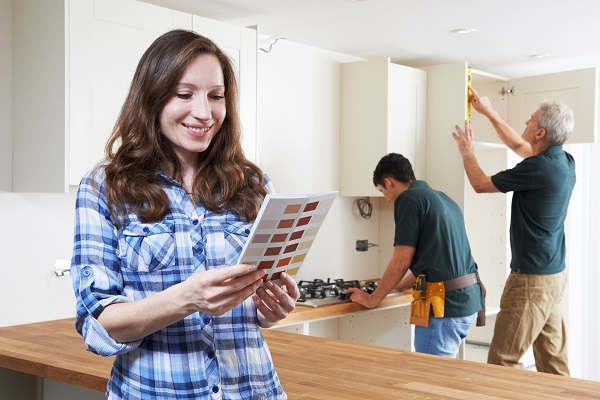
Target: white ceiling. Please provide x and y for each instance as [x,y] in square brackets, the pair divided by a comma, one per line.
[418,32]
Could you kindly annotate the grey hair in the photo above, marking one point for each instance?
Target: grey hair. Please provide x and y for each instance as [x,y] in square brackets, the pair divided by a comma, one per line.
[557,120]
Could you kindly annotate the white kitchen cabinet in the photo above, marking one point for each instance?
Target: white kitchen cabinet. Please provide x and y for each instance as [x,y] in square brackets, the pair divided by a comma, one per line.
[382,111]
[106,41]
[392,322]
[73,64]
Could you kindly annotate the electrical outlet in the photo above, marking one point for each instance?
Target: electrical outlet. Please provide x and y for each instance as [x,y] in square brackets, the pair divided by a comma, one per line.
[362,245]
[62,267]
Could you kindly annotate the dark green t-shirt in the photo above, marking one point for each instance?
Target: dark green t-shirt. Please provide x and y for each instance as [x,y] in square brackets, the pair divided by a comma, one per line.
[542,187]
[433,223]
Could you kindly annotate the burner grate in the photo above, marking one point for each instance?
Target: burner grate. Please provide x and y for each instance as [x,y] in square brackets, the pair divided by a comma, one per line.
[313,291]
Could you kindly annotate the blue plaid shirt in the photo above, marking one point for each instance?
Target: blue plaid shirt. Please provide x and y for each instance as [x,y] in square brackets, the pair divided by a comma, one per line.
[199,357]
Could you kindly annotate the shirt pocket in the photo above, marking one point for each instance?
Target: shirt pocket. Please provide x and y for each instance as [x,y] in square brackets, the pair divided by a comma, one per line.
[235,233]
[148,247]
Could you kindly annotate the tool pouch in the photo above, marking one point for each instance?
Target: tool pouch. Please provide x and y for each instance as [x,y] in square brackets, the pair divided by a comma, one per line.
[436,294]
[425,296]
[420,308]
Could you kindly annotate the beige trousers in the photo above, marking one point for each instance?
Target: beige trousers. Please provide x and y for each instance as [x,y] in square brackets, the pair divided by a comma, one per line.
[530,315]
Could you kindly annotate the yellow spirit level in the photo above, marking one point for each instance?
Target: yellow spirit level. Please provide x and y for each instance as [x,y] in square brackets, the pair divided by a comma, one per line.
[469,78]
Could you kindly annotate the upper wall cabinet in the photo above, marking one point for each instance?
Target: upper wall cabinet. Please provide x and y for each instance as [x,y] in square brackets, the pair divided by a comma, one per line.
[73,64]
[106,41]
[514,99]
[382,111]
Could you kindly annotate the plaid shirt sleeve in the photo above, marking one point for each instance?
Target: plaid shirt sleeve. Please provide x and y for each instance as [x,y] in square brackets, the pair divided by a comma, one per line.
[97,280]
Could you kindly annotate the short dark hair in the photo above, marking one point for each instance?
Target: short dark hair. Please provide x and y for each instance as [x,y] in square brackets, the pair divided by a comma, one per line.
[394,166]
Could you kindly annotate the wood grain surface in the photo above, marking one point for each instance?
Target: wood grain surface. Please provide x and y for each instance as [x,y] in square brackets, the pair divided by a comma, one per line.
[309,368]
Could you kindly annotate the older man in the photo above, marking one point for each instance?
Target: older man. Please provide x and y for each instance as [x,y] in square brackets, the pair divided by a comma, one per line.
[530,307]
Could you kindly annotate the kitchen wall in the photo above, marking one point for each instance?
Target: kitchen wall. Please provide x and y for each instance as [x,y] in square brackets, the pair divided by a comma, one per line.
[37,230]
[298,125]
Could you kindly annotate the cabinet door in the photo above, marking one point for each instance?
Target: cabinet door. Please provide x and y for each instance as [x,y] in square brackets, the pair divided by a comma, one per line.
[107,39]
[446,96]
[446,107]
[241,44]
[578,89]
[363,124]
[39,149]
[382,111]
[406,116]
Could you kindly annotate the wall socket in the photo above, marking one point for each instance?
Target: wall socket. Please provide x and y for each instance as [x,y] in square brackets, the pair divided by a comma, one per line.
[62,267]
[362,245]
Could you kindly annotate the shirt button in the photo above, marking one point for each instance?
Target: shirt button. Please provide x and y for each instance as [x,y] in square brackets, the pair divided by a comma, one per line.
[195,221]
[146,229]
[210,354]
[247,231]
[215,389]
[206,320]
[86,271]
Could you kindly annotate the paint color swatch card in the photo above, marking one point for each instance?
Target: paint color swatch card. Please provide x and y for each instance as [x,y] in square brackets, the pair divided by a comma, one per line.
[284,230]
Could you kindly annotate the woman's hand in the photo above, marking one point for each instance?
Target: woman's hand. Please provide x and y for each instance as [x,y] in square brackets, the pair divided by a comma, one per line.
[217,291]
[275,303]
[212,292]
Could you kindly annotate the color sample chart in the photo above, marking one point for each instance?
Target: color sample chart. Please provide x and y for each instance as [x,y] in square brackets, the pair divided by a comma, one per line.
[284,231]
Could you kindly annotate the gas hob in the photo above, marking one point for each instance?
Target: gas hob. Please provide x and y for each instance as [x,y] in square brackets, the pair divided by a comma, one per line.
[319,292]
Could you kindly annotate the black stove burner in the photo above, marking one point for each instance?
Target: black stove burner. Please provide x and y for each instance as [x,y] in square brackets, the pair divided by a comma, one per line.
[320,289]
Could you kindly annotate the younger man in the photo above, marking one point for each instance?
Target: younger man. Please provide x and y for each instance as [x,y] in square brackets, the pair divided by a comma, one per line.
[430,239]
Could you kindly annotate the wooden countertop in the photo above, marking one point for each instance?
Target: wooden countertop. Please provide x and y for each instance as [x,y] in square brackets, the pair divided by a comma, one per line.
[53,350]
[309,368]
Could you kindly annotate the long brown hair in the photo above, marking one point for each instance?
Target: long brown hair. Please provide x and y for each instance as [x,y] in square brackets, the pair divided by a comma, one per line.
[137,149]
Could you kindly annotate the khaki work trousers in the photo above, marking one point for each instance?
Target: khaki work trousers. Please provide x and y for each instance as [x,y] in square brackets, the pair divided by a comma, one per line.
[530,315]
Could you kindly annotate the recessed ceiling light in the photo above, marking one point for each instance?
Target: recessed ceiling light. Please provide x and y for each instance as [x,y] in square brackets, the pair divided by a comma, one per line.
[463,31]
[540,55]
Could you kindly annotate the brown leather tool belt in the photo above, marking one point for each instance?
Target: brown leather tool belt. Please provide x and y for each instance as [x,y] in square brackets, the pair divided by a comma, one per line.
[463,282]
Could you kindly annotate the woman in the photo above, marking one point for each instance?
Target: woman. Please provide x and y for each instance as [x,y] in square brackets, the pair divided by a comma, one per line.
[159,229]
